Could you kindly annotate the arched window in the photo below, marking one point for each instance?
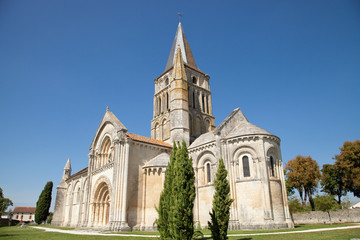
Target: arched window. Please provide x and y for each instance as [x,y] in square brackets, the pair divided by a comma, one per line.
[105,150]
[246,167]
[208,173]
[166,81]
[272,167]
[167,101]
[78,195]
[159,105]
[194,99]
[194,80]
[203,103]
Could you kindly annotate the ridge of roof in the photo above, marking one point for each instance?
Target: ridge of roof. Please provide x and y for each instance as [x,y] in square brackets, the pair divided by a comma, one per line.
[139,138]
[186,53]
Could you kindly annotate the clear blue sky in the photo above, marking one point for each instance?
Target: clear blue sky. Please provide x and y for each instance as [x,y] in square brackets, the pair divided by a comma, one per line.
[293,67]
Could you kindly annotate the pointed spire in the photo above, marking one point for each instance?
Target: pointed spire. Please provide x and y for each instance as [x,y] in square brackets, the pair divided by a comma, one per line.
[179,68]
[180,40]
[68,164]
[67,170]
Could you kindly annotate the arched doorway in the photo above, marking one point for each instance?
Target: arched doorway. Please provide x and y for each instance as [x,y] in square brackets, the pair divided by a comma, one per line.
[101,205]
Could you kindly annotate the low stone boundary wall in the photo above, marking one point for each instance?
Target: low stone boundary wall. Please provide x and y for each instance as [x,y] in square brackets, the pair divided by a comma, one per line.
[339,216]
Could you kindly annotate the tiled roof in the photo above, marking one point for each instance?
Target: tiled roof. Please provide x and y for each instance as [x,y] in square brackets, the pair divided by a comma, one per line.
[147,140]
[24,210]
[79,172]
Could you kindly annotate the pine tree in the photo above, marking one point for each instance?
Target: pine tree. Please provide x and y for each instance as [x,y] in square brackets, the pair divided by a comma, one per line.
[166,200]
[220,213]
[182,226]
[43,204]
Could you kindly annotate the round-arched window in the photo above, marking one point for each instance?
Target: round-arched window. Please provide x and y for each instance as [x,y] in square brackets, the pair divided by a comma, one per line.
[246,166]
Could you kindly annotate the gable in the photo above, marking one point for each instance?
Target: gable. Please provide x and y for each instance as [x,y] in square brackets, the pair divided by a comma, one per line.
[108,119]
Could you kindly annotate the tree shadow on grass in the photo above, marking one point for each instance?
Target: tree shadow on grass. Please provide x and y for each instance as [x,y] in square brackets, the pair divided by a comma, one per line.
[7,235]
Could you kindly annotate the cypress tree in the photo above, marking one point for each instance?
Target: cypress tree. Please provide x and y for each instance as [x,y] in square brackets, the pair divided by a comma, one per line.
[166,200]
[220,213]
[43,204]
[182,226]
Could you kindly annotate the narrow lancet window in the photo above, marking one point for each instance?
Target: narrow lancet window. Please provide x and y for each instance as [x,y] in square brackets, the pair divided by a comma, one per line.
[208,173]
[272,167]
[246,167]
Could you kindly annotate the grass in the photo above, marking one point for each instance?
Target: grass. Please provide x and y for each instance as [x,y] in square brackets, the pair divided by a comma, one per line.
[15,233]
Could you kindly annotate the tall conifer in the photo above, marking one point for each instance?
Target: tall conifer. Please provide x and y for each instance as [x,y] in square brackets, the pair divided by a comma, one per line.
[166,200]
[43,204]
[220,213]
[184,195]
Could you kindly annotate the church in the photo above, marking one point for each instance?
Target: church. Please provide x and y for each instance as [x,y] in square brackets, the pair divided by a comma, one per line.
[121,185]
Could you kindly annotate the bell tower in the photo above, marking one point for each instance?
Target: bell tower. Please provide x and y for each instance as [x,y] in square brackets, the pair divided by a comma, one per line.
[182,99]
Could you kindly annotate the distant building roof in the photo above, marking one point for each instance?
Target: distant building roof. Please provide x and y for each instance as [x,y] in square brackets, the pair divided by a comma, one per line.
[356,205]
[24,210]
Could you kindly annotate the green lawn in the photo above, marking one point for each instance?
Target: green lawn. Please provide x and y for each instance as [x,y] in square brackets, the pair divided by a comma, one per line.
[15,233]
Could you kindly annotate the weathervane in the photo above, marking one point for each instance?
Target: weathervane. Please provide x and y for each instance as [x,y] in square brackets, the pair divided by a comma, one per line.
[180,16]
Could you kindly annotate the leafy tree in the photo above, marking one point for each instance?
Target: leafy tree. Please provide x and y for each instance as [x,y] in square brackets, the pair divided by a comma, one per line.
[182,222]
[166,200]
[326,203]
[220,213]
[295,205]
[332,181]
[43,204]
[4,202]
[348,161]
[290,190]
[303,174]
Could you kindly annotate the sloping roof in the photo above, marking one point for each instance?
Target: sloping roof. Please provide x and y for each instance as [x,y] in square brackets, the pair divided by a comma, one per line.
[160,160]
[203,139]
[84,170]
[247,128]
[24,210]
[147,140]
[356,205]
[181,41]
[108,117]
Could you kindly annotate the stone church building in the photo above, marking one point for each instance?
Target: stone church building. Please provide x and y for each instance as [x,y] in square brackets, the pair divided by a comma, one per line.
[121,185]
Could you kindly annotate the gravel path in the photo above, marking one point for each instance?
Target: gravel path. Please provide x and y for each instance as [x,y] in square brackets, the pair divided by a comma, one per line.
[88,232]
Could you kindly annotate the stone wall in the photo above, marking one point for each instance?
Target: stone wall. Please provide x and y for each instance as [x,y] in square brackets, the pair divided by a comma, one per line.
[339,216]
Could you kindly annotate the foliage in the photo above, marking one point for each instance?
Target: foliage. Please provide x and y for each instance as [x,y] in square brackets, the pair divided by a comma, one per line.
[176,203]
[166,200]
[326,203]
[182,226]
[49,219]
[348,161]
[43,204]
[290,190]
[4,202]
[220,213]
[332,181]
[303,174]
[295,205]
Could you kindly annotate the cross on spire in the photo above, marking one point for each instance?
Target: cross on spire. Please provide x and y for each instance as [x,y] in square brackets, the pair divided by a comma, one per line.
[180,16]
